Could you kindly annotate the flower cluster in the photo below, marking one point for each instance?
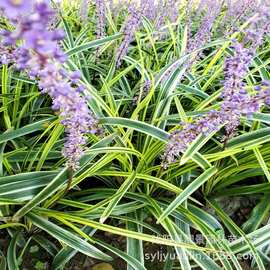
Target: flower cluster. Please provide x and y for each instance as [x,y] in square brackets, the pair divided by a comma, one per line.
[236,13]
[166,10]
[260,26]
[42,58]
[181,138]
[234,93]
[238,10]
[160,15]
[155,11]
[84,10]
[101,18]
[7,54]
[203,34]
[129,29]
[14,8]
[236,100]
[146,7]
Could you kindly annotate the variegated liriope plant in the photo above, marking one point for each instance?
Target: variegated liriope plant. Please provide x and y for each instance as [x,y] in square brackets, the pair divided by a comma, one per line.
[143,122]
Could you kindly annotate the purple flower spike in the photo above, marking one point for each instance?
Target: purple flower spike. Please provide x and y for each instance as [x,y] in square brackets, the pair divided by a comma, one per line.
[203,34]
[101,18]
[14,8]
[133,22]
[42,58]
[236,101]
[84,10]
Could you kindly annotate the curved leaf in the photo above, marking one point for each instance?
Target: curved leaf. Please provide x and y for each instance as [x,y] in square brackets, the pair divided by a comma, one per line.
[67,237]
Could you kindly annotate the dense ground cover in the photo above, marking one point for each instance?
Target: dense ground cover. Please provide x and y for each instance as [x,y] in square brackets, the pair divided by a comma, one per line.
[135,134]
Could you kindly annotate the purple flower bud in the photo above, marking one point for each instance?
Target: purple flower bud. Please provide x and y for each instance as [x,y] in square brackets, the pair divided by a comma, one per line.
[58,35]
[75,76]
[80,89]
[267,101]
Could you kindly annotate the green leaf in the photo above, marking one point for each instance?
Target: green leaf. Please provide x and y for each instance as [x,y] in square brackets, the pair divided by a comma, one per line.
[11,253]
[250,138]
[120,231]
[67,237]
[118,196]
[262,163]
[8,202]
[134,263]
[135,247]
[92,44]
[187,192]
[259,213]
[24,185]
[195,146]
[28,129]
[50,189]
[54,136]
[66,253]
[230,223]
[120,150]
[3,261]
[48,245]
[11,225]
[262,117]
[4,88]
[137,125]
[69,36]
